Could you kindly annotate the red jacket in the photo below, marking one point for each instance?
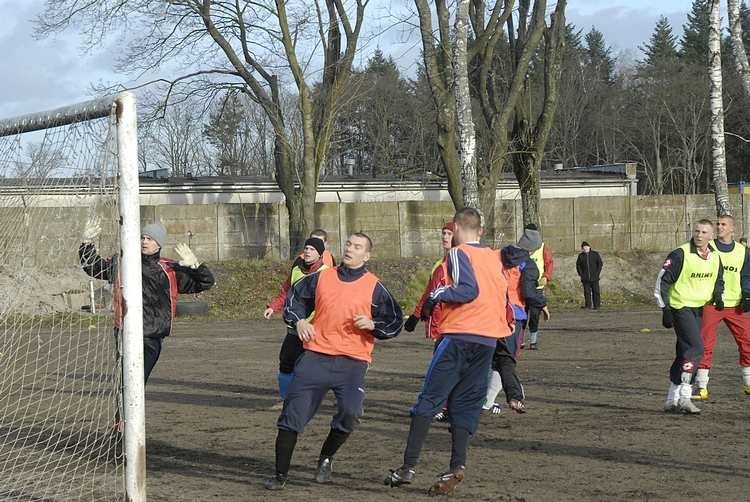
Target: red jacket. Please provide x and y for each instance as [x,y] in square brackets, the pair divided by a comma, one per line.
[439,277]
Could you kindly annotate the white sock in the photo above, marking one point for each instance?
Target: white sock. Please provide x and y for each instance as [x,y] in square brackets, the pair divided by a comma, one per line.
[672,394]
[746,376]
[701,378]
[533,336]
[494,387]
[685,390]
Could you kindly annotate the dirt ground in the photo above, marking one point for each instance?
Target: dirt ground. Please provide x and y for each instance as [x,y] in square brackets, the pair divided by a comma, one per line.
[594,430]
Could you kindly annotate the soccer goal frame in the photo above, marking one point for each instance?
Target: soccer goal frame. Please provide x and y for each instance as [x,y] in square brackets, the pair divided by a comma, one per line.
[122,107]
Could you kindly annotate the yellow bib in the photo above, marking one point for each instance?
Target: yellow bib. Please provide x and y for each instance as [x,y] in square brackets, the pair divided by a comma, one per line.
[695,286]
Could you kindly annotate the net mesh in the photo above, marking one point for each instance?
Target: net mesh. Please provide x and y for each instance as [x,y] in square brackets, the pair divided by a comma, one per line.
[59,376]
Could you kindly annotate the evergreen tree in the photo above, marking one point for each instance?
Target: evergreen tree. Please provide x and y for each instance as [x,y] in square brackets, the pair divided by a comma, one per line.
[599,57]
[662,46]
[694,42]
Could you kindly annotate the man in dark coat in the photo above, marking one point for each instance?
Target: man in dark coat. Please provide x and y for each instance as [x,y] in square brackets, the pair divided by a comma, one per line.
[589,266]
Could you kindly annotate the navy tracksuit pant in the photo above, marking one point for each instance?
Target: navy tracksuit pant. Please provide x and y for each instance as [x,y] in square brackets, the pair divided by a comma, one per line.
[457,373]
[314,375]
[689,347]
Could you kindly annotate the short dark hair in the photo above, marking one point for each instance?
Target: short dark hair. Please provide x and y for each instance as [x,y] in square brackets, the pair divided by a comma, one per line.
[468,218]
[320,233]
[363,235]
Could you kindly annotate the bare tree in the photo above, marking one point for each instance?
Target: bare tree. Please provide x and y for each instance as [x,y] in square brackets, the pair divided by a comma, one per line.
[464,120]
[738,47]
[718,153]
[499,64]
[249,45]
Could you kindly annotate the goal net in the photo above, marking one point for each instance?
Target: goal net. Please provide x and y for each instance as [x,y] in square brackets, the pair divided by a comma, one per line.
[60,378]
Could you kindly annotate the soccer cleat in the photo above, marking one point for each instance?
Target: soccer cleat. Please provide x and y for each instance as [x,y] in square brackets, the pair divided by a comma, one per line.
[671,408]
[746,389]
[401,476]
[277,482]
[495,409]
[517,406]
[442,416]
[447,482]
[700,394]
[532,346]
[686,407]
[325,470]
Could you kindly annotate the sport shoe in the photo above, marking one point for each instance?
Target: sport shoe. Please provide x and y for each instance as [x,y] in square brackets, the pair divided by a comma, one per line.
[277,406]
[442,416]
[401,476]
[532,346]
[671,408]
[447,482]
[517,406]
[495,409]
[687,407]
[277,482]
[325,470]
[746,388]
[700,394]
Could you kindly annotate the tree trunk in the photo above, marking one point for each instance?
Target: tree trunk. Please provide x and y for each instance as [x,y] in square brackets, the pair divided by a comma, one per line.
[718,154]
[738,47]
[464,120]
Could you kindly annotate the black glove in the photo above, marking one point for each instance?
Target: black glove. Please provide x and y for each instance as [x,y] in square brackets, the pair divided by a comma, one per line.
[718,303]
[427,307]
[411,323]
[746,304]
[667,320]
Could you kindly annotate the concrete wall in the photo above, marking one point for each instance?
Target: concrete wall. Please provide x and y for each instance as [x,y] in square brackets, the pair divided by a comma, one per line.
[221,231]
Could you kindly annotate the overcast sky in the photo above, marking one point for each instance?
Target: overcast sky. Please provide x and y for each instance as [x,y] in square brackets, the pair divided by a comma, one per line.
[43,74]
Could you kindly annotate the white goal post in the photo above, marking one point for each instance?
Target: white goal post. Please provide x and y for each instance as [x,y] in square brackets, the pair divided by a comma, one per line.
[58,374]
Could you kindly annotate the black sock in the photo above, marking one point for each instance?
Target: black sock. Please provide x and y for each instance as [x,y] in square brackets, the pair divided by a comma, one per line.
[459,446]
[285,442]
[333,442]
[418,430]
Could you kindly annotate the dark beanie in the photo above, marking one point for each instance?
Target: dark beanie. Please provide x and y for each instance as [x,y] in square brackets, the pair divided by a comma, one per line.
[584,243]
[318,244]
[531,226]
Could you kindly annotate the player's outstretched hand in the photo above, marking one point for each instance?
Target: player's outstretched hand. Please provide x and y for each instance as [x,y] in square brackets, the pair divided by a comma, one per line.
[305,330]
[364,322]
[411,323]
[187,257]
[268,313]
[92,229]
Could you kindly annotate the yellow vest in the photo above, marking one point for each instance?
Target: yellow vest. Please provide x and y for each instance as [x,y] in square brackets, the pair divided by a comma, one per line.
[695,285]
[538,258]
[298,274]
[732,262]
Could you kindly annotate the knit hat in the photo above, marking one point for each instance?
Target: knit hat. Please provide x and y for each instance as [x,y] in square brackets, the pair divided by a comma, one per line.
[531,226]
[584,243]
[318,244]
[157,232]
[530,240]
[449,225]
